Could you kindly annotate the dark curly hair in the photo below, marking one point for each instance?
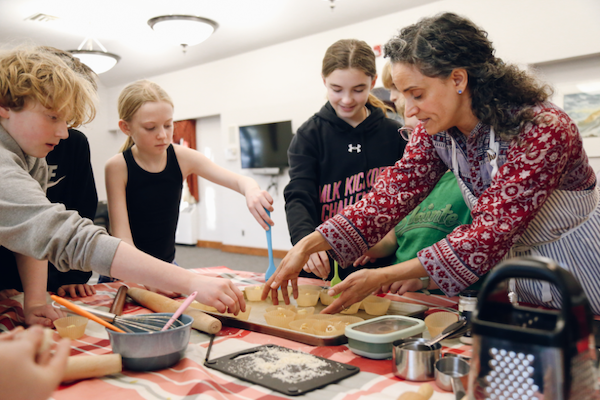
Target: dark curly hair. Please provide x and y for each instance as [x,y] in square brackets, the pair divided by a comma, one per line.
[502,94]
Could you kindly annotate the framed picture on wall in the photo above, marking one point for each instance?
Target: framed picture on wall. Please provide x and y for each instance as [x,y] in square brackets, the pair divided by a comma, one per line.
[584,108]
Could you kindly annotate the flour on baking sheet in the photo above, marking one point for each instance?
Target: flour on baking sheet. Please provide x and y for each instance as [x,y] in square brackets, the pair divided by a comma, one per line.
[286,365]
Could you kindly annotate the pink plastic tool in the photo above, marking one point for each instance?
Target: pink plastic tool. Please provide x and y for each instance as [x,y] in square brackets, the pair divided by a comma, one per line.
[180,310]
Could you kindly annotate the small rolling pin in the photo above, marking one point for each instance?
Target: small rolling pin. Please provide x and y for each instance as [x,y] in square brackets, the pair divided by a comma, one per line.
[424,393]
[162,304]
[85,367]
[119,302]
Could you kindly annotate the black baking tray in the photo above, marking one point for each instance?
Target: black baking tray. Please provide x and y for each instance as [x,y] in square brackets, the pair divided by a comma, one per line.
[241,365]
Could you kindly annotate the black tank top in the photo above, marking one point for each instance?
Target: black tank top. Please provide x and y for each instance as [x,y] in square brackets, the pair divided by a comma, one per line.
[153,205]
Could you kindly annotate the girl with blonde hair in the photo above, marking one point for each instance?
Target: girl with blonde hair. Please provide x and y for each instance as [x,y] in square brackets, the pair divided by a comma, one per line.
[144,182]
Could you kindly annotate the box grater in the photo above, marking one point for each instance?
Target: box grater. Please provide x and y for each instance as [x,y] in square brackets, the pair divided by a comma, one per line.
[532,353]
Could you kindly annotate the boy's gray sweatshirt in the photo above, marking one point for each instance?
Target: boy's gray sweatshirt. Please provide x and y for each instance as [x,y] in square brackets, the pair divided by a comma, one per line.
[31,225]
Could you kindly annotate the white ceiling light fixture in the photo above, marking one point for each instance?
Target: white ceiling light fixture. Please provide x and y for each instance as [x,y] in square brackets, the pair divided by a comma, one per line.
[184,30]
[99,61]
[332,4]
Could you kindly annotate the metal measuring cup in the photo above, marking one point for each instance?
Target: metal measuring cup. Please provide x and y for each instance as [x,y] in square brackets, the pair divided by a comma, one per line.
[448,374]
[413,360]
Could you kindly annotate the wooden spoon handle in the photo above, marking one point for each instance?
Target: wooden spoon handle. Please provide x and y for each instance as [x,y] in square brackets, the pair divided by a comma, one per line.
[119,302]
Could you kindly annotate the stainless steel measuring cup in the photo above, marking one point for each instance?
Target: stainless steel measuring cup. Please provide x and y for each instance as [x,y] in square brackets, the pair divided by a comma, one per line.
[413,360]
[448,374]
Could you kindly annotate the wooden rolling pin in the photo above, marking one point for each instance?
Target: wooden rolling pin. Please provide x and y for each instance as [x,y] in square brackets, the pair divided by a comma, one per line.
[160,303]
[84,367]
[424,393]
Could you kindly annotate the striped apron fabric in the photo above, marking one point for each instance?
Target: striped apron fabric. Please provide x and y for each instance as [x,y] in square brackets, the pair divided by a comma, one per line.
[566,230]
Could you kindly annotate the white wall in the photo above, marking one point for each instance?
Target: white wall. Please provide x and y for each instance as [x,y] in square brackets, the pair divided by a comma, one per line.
[105,140]
[282,82]
[565,76]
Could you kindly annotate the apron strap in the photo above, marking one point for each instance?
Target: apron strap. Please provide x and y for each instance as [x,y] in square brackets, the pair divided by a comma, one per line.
[468,196]
[493,152]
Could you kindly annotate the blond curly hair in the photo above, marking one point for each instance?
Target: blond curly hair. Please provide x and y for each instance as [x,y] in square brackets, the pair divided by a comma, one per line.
[29,73]
[388,83]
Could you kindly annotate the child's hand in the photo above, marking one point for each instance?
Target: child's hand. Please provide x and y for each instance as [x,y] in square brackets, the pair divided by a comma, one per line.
[401,287]
[221,294]
[43,314]
[8,293]
[83,289]
[257,200]
[318,264]
[363,260]
[163,292]
[24,374]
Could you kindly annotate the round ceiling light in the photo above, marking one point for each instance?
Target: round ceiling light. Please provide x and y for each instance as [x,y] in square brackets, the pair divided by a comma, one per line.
[98,61]
[185,30]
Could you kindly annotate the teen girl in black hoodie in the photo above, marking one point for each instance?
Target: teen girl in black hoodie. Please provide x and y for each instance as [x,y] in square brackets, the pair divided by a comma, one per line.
[337,155]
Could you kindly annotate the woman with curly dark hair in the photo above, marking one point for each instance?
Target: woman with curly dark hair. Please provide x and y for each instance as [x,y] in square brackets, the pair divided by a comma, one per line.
[518,158]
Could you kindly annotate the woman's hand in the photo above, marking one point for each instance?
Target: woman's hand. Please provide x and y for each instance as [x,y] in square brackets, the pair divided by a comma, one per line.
[401,287]
[292,264]
[257,201]
[42,314]
[23,373]
[288,270]
[221,294]
[354,288]
[318,264]
[76,290]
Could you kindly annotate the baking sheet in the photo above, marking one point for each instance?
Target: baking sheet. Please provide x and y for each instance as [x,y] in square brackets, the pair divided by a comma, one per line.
[285,370]
[256,321]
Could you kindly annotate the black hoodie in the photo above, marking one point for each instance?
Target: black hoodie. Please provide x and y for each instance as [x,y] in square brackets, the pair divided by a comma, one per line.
[333,165]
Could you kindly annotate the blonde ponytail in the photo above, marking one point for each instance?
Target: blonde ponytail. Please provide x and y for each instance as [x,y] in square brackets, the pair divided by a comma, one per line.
[376,102]
[127,145]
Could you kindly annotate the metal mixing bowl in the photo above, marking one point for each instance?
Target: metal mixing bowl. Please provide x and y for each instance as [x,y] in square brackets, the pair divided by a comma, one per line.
[149,351]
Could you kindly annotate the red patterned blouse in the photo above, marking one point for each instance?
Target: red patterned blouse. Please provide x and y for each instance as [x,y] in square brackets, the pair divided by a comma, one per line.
[546,156]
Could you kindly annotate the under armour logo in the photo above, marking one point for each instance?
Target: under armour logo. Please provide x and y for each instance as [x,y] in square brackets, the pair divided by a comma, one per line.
[352,148]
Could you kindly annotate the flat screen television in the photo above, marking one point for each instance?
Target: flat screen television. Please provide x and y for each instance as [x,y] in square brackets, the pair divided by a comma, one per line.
[265,145]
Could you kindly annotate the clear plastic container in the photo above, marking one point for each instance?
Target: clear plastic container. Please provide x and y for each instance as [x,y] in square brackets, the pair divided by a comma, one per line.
[376,305]
[71,327]
[329,328]
[353,309]
[303,325]
[253,293]
[307,298]
[304,313]
[280,318]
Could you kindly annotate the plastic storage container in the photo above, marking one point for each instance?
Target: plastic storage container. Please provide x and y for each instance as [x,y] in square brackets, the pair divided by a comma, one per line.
[373,338]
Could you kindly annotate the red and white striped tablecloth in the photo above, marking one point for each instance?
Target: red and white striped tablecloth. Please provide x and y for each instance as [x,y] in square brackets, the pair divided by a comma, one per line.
[189,379]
